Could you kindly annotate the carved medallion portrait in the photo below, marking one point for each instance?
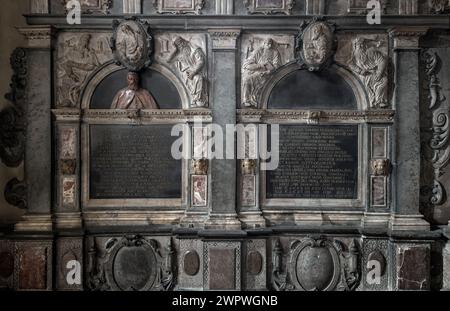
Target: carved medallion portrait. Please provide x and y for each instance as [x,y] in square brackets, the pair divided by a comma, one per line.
[316,43]
[132,44]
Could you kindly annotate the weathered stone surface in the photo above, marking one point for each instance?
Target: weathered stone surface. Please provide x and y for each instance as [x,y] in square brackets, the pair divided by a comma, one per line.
[413,270]
[32,265]
[191,263]
[222,267]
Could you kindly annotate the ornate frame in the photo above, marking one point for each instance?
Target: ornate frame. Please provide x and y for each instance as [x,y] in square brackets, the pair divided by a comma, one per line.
[253,7]
[195,8]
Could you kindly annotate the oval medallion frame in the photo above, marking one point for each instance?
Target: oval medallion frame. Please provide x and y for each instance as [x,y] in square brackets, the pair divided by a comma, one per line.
[316,44]
[132,44]
[299,246]
[120,253]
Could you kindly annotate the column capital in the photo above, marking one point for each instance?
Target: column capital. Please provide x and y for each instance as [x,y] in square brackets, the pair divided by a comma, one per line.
[407,38]
[224,39]
[38,36]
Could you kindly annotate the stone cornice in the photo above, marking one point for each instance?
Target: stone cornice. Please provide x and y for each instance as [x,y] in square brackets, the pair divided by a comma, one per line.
[224,39]
[38,36]
[407,38]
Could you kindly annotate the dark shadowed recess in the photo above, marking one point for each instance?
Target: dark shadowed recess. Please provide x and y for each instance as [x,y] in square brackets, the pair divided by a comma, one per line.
[317,90]
[163,90]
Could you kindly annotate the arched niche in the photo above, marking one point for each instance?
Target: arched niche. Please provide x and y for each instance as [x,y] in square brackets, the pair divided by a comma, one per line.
[164,86]
[334,88]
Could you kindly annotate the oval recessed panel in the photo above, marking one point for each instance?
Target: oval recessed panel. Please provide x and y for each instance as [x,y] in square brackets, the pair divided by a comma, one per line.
[315,268]
[134,268]
[191,263]
[254,263]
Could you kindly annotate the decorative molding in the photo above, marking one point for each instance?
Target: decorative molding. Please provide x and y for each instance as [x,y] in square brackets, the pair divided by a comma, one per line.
[372,116]
[93,6]
[132,44]
[269,6]
[179,7]
[38,36]
[12,118]
[407,38]
[380,167]
[224,39]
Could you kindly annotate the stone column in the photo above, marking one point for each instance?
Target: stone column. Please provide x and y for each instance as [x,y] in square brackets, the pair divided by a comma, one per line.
[38,147]
[223,94]
[406,142]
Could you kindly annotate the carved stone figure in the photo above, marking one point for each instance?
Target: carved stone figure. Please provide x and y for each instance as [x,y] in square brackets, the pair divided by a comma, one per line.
[77,59]
[316,44]
[258,65]
[130,43]
[371,65]
[380,167]
[191,62]
[133,96]
[200,167]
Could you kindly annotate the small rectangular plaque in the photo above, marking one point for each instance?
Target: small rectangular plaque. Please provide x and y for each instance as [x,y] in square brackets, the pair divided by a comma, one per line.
[133,162]
[316,162]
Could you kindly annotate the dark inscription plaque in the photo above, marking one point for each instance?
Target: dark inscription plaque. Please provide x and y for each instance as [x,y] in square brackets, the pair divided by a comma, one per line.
[316,162]
[133,162]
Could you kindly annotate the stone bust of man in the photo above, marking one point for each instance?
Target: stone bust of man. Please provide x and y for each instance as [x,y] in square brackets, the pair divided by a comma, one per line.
[133,96]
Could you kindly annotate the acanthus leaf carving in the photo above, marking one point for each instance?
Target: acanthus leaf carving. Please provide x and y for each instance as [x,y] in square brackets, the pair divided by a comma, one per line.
[436,146]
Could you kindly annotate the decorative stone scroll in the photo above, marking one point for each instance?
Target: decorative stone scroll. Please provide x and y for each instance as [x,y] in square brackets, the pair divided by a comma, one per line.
[269,6]
[316,44]
[132,44]
[93,6]
[179,6]
[263,55]
[437,143]
[78,55]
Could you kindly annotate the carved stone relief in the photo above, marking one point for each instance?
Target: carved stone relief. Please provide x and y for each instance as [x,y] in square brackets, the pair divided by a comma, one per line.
[186,55]
[439,6]
[12,118]
[317,264]
[16,193]
[132,44]
[93,6]
[435,142]
[269,6]
[262,55]
[78,55]
[369,60]
[111,265]
[179,6]
[316,44]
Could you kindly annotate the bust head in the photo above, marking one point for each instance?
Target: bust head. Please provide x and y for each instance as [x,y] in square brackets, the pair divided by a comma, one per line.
[133,81]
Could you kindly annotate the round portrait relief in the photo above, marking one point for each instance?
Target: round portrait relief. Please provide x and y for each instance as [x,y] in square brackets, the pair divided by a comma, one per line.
[318,44]
[132,45]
